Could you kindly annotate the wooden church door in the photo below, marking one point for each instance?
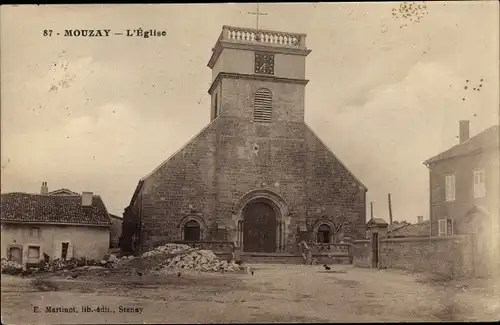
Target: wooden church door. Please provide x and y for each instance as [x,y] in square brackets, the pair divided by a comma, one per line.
[259,230]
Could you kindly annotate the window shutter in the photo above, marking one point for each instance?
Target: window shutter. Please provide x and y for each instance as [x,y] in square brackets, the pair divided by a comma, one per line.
[453,187]
[479,184]
[57,250]
[476,184]
[450,187]
[482,182]
[442,227]
[25,253]
[449,227]
[262,105]
[447,187]
[69,255]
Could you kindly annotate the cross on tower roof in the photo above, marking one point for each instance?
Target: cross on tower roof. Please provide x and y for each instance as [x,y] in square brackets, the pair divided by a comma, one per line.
[258,13]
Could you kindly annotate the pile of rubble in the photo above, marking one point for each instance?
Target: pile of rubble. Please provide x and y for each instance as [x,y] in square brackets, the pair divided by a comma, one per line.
[199,260]
[167,259]
[183,257]
[168,249]
[56,265]
[162,259]
[60,264]
[10,267]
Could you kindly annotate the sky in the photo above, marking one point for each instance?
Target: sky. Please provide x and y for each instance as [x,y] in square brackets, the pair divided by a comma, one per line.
[385,92]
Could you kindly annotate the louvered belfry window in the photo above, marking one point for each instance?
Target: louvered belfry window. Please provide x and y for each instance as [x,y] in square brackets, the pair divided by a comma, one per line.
[262,105]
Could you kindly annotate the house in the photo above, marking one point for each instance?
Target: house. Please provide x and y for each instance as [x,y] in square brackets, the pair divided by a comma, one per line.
[115,231]
[421,229]
[257,174]
[62,191]
[464,186]
[407,229]
[65,225]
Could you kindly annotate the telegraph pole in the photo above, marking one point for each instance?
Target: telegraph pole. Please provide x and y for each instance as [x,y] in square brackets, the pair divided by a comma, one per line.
[390,208]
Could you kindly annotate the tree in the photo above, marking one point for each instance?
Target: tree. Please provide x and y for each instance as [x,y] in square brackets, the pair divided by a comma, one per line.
[338,222]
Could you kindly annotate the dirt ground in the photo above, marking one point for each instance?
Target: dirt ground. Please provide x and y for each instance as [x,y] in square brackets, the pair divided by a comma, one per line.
[275,293]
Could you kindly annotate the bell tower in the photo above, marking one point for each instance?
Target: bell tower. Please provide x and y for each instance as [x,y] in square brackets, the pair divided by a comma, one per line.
[258,75]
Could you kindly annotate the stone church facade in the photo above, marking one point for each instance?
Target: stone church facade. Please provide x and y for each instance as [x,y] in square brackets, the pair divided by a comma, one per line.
[256,175]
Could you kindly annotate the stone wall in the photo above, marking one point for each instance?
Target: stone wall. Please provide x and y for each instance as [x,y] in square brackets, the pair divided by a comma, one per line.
[331,189]
[452,256]
[130,226]
[182,187]
[115,231]
[361,253]
[237,100]
[449,256]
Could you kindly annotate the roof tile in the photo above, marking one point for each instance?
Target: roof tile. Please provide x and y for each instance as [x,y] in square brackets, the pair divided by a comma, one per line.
[412,230]
[486,139]
[66,209]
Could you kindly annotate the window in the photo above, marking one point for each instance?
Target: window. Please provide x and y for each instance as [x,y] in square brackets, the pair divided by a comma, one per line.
[33,254]
[216,106]
[445,227]
[450,187]
[16,254]
[35,232]
[479,184]
[324,234]
[262,105]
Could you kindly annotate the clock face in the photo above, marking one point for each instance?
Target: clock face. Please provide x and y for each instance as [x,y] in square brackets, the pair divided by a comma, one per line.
[264,63]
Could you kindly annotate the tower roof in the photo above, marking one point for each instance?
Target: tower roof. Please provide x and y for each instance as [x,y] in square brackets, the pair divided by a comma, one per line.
[251,38]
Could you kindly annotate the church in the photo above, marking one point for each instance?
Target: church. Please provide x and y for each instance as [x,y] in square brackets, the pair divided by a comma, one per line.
[256,175]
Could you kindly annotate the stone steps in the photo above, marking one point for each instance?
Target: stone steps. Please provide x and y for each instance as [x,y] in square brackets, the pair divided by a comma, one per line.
[332,259]
[286,258]
[271,258]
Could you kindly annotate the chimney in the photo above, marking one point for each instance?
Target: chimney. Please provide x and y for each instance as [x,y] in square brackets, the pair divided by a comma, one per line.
[44,189]
[87,199]
[420,219]
[464,130]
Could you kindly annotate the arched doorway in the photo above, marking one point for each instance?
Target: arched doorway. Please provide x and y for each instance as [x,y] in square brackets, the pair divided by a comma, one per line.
[192,231]
[259,227]
[324,234]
